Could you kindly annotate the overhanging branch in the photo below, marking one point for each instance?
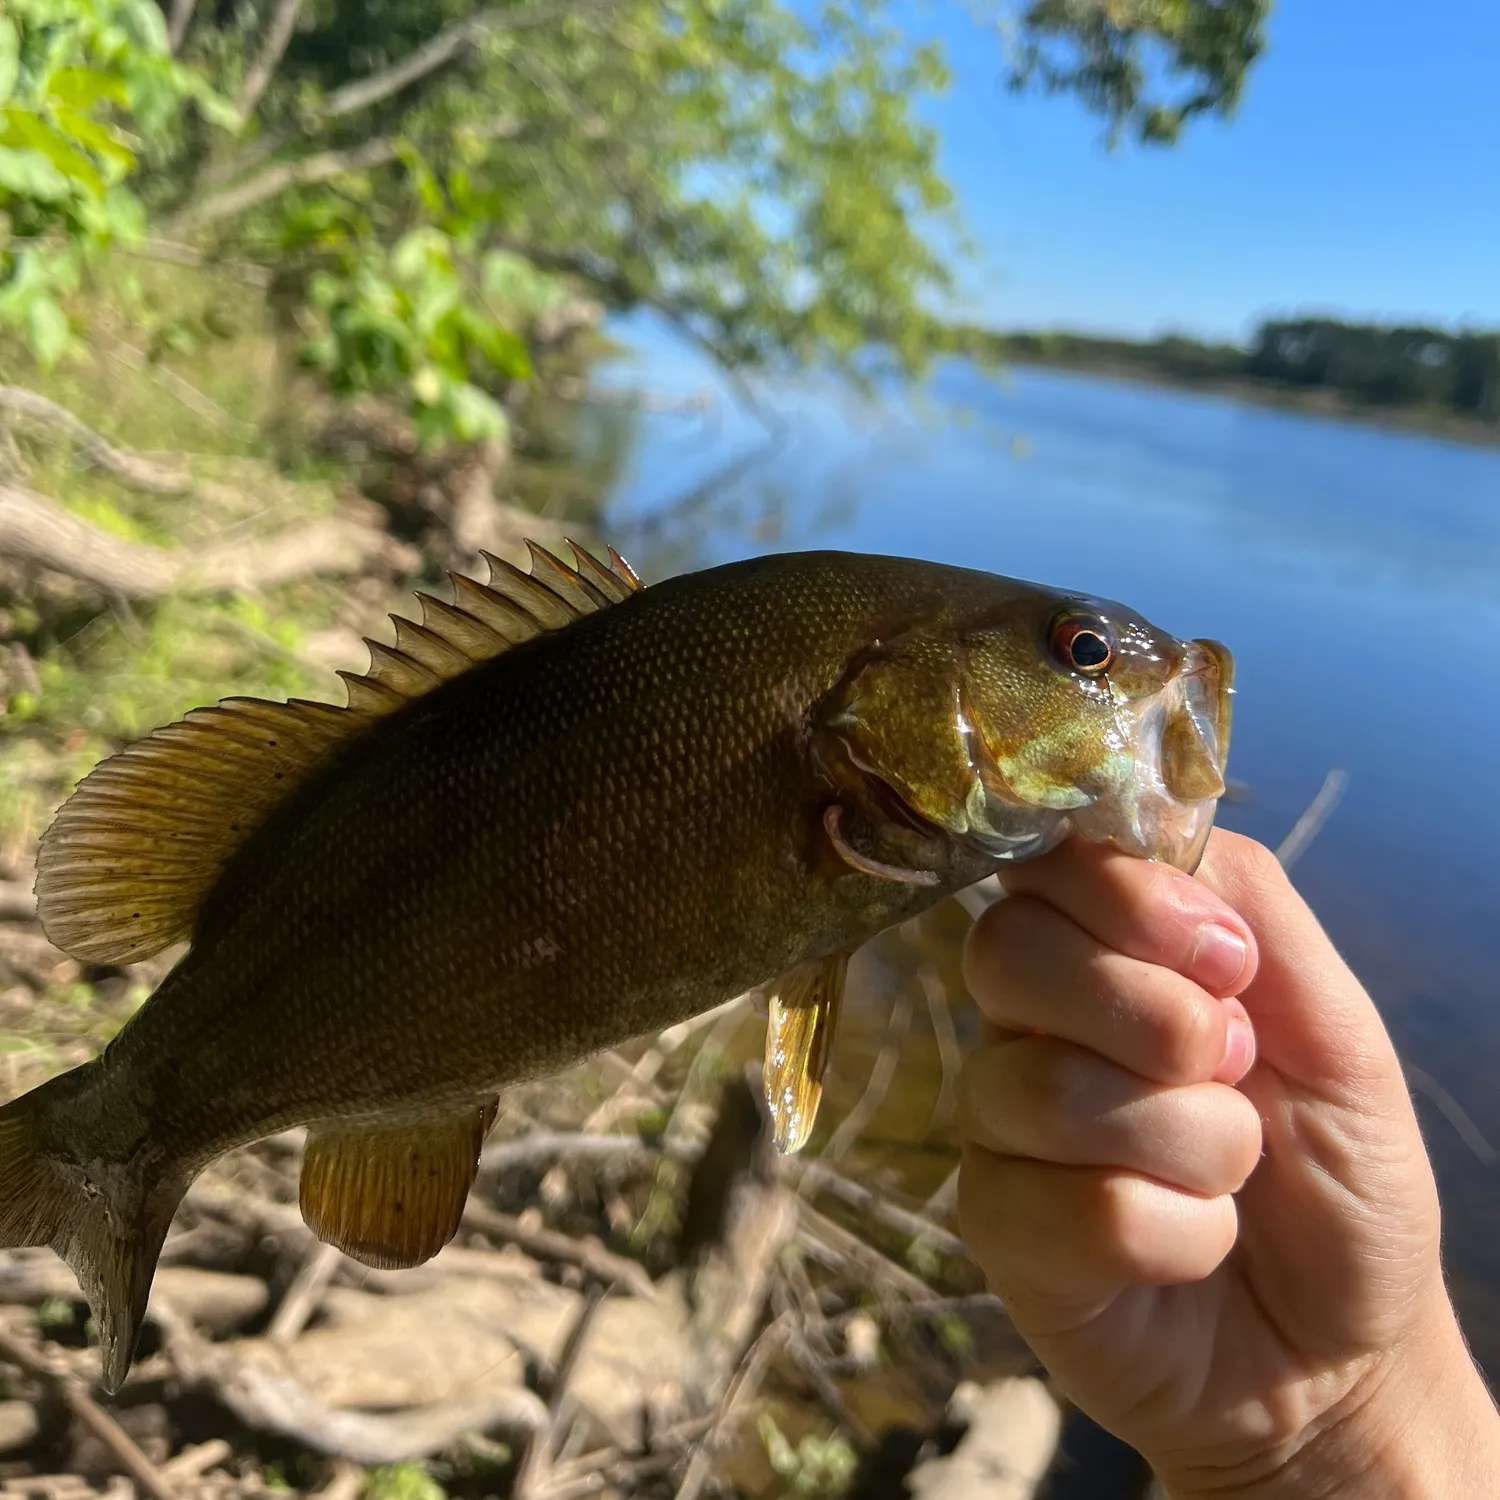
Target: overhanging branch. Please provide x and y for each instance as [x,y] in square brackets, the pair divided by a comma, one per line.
[322,166]
[273,49]
[442,49]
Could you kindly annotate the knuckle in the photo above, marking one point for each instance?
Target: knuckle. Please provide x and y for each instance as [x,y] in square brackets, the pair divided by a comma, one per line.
[1000,934]
[1190,1030]
[1243,1140]
[1058,1096]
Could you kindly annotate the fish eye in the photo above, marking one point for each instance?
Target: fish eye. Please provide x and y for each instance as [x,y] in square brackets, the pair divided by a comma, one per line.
[1083,643]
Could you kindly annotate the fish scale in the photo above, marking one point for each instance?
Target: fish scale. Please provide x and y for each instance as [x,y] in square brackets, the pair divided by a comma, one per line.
[568,812]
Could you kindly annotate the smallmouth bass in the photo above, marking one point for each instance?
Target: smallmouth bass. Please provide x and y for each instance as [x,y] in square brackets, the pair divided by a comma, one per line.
[561,812]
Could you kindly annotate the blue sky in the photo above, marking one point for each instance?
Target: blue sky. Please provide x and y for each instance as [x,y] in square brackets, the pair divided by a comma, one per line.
[1361,175]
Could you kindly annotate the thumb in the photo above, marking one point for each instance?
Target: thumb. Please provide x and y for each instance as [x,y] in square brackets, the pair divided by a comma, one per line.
[1314,1022]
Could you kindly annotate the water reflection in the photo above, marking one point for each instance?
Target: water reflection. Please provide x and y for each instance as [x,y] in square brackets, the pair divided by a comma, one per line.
[1354,572]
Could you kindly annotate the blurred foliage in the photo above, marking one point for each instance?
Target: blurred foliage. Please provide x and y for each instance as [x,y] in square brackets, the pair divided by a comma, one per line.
[1147,66]
[814,1465]
[80,82]
[405,1481]
[1412,368]
[753,170]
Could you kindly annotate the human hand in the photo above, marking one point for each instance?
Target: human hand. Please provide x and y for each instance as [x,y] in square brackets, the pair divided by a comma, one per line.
[1211,1217]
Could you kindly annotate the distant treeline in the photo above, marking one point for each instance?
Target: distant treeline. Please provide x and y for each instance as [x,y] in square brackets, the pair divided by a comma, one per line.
[1412,368]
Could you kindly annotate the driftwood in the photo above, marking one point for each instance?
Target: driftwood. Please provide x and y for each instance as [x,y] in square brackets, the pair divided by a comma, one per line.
[17,901]
[131,468]
[40,532]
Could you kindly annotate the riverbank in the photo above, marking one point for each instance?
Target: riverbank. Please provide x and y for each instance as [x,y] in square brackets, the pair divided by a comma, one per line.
[1310,401]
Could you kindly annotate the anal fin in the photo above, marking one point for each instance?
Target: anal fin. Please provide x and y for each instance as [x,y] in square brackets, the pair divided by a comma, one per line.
[799,1040]
[392,1198]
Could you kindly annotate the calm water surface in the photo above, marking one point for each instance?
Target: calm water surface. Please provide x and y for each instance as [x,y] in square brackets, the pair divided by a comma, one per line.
[1354,572]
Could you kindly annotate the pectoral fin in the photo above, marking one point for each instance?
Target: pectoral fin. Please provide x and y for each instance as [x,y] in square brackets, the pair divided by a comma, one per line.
[392,1198]
[799,1039]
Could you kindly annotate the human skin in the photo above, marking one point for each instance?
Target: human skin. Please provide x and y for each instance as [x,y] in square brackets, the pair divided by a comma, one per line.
[1193,1173]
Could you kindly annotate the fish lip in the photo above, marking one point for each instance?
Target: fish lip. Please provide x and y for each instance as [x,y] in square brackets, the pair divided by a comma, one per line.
[1203,689]
[1145,816]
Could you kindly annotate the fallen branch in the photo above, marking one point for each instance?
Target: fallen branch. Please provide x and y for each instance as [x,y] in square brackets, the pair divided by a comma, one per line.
[134,469]
[546,1145]
[824,1238]
[304,1294]
[536,1463]
[587,1254]
[36,530]
[272,1401]
[91,1415]
[740,1393]
[903,1220]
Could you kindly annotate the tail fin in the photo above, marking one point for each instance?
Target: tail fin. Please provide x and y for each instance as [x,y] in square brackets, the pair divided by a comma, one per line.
[107,1220]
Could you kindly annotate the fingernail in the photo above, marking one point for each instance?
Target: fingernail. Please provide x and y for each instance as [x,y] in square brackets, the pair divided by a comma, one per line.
[1239,1046]
[1218,957]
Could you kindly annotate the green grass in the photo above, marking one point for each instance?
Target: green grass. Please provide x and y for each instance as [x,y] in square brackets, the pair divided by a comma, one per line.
[102,673]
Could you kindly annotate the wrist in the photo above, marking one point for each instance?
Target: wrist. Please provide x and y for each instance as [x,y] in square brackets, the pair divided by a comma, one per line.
[1419,1425]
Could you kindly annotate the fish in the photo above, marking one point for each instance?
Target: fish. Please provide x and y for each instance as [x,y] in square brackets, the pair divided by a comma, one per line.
[561,810]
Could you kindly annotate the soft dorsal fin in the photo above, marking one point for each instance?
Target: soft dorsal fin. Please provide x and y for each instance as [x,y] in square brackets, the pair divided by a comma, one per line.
[130,856]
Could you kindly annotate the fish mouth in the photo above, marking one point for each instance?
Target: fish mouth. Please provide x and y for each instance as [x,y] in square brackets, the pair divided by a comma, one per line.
[1181,753]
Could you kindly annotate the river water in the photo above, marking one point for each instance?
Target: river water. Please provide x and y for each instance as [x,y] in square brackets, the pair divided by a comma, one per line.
[1355,573]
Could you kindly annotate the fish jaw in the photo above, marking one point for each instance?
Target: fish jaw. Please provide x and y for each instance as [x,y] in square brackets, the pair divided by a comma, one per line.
[1164,809]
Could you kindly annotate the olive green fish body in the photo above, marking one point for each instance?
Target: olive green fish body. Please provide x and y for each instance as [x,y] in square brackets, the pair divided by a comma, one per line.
[730,779]
[588,838]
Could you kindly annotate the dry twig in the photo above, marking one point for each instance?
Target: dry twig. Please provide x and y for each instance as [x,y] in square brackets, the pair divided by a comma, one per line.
[553,1245]
[853,1125]
[36,530]
[1317,813]
[740,1393]
[93,1416]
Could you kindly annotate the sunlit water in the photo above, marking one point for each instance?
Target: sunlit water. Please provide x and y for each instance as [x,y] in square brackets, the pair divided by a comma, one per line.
[1354,572]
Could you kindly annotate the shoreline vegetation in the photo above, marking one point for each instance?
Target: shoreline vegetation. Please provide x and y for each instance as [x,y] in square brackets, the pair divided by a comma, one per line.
[1412,379]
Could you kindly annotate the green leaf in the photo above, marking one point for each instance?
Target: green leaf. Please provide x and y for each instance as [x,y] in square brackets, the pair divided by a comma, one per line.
[427,385]
[10,58]
[83,88]
[502,348]
[30,130]
[29,174]
[96,137]
[474,415]
[47,328]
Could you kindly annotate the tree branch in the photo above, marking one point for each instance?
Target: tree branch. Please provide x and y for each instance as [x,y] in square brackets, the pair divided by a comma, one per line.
[613,282]
[36,530]
[428,58]
[442,49]
[177,26]
[320,167]
[263,69]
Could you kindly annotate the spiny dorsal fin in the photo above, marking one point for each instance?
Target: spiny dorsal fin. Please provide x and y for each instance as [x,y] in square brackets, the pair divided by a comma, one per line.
[130,856]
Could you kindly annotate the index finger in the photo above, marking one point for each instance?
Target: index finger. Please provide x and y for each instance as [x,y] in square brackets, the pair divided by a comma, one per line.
[1145,910]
